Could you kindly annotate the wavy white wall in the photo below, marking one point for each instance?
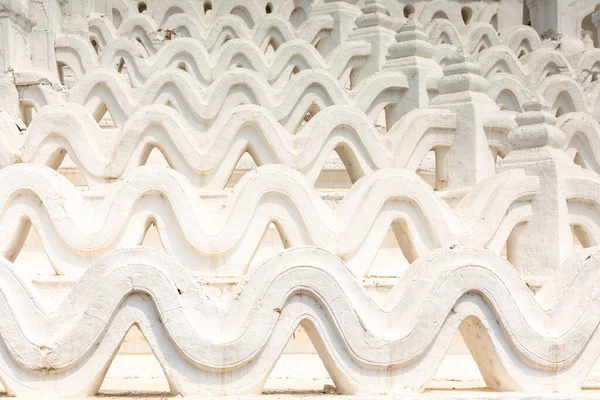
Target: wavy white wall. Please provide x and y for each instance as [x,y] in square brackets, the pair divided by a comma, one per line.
[244,180]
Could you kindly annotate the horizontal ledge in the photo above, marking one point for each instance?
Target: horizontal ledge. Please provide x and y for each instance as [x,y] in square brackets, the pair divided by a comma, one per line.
[427,395]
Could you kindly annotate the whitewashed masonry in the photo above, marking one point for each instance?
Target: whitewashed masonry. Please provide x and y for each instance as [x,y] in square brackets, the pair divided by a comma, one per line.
[236,180]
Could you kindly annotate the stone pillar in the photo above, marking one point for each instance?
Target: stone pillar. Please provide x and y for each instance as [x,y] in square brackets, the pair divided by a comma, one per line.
[538,247]
[103,7]
[411,55]
[544,17]
[15,23]
[344,12]
[510,13]
[464,91]
[596,21]
[559,20]
[15,34]
[76,13]
[375,27]
[48,17]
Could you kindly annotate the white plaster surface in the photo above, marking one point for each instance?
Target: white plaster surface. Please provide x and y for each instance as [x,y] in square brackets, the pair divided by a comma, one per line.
[295,198]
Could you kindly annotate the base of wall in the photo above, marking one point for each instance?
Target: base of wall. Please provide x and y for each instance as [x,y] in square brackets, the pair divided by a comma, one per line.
[303,376]
[302,373]
[428,395]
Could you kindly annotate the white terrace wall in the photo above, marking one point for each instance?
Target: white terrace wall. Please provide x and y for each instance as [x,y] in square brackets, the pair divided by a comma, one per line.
[337,183]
